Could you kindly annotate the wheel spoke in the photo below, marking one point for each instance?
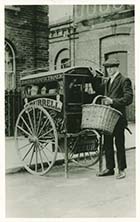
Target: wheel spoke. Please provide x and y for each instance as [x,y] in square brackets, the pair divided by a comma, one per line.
[89,155]
[39,121]
[45,141]
[41,159]
[30,121]
[26,125]
[84,156]
[78,157]
[46,133]
[22,147]
[47,121]
[48,161]
[34,119]
[32,156]
[45,146]
[36,158]
[21,138]
[75,142]
[27,152]
[23,130]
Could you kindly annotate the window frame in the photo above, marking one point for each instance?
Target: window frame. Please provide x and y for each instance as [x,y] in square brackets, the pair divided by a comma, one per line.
[8,85]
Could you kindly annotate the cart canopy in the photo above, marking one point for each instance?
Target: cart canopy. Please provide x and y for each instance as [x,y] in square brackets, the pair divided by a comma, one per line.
[55,75]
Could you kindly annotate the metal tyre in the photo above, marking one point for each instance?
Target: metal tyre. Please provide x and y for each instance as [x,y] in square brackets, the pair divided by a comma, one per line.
[36,139]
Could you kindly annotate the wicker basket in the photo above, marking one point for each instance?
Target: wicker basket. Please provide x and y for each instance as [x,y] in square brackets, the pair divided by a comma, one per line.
[99,117]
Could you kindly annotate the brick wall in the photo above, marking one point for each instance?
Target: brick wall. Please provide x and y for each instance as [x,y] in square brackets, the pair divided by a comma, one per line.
[27,31]
[96,41]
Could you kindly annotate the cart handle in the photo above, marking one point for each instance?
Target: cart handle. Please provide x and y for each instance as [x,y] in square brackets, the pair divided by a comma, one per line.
[96,98]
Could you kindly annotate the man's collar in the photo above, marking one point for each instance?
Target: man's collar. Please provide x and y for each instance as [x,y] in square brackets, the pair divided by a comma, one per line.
[114,76]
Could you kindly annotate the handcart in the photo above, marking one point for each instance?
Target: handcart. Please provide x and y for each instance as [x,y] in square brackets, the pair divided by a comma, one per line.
[59,122]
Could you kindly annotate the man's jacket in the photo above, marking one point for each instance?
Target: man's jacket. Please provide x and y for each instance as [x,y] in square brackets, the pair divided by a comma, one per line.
[120,91]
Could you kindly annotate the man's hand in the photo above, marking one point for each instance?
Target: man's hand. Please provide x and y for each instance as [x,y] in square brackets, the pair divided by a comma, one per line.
[107,101]
[93,72]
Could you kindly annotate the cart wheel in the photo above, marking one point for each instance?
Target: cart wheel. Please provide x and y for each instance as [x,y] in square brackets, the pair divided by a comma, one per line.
[84,149]
[36,139]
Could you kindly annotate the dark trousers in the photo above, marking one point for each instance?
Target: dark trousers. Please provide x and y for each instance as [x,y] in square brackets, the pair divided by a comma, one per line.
[120,146]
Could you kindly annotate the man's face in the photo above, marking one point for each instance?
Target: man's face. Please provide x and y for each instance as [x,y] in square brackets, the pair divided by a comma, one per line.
[111,70]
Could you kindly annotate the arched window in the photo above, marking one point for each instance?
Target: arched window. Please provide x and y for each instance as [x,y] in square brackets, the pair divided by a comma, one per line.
[61,59]
[9,67]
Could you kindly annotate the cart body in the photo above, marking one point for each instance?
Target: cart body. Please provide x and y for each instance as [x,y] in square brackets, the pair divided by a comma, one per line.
[51,117]
[64,91]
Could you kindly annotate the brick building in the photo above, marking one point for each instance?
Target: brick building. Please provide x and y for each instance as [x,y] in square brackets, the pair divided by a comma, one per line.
[26,47]
[93,34]
[26,40]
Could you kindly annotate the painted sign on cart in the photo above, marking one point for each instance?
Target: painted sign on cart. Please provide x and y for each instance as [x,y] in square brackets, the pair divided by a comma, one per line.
[47,103]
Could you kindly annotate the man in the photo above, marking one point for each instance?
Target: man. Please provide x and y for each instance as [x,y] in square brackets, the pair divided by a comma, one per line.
[119,94]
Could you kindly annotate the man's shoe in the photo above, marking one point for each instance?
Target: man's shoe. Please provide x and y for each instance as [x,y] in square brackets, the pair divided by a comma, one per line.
[121,174]
[106,172]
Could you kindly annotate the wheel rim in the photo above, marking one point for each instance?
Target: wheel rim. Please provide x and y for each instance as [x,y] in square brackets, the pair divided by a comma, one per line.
[36,139]
[84,149]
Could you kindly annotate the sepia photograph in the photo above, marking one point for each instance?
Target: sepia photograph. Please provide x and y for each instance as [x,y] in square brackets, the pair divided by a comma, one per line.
[69,98]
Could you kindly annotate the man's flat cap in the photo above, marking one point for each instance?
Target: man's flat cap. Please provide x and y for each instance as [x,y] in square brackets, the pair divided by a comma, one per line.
[111,62]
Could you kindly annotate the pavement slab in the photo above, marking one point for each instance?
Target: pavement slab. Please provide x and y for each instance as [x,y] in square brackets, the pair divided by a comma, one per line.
[81,195]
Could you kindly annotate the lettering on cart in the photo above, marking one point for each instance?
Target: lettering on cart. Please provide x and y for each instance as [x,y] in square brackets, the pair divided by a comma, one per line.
[47,103]
[42,79]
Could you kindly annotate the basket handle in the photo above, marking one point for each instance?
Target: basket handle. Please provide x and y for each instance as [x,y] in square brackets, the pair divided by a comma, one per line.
[97,97]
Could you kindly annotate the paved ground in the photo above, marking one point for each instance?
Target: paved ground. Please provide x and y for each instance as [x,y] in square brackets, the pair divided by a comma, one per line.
[81,195]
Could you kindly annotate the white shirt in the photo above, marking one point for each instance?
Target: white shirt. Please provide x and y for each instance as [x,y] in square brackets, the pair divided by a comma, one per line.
[113,77]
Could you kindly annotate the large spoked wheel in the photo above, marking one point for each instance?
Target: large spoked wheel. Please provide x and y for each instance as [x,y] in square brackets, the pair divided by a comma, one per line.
[84,149]
[36,139]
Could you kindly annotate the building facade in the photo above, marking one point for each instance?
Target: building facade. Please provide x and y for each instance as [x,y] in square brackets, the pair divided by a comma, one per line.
[26,41]
[26,48]
[93,34]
